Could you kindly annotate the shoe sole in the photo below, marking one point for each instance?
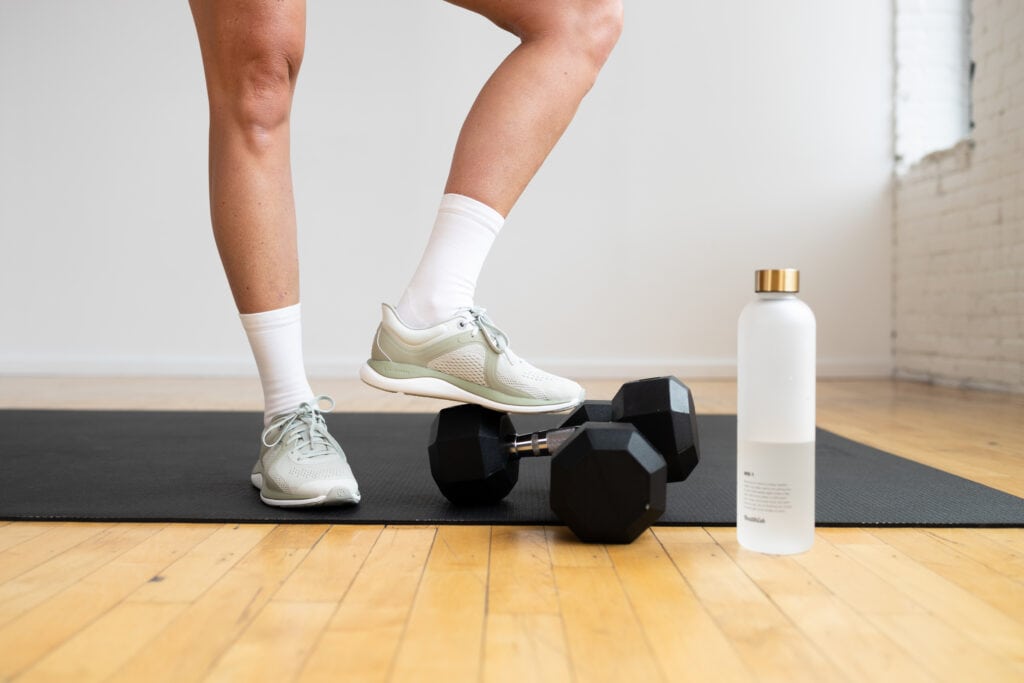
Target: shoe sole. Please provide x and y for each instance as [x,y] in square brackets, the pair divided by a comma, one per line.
[339,495]
[432,387]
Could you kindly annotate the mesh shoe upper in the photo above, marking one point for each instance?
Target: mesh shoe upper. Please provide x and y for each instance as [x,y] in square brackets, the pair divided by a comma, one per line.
[471,348]
[299,459]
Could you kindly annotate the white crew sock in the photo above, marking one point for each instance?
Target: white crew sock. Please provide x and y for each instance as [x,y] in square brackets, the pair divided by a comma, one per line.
[445,279]
[276,341]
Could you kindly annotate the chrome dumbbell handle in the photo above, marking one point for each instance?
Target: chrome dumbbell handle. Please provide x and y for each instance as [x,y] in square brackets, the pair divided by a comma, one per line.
[540,444]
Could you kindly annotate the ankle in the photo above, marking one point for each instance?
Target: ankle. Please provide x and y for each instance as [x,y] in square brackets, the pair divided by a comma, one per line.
[445,280]
[276,341]
[421,312]
[285,400]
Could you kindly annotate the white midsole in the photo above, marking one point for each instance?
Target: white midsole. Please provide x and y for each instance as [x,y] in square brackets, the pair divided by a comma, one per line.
[257,481]
[432,387]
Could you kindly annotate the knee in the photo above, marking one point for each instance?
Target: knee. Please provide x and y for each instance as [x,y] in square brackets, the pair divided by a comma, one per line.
[252,92]
[603,26]
[588,28]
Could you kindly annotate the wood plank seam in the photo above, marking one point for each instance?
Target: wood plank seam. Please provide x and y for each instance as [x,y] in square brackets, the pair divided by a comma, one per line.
[320,636]
[487,599]
[408,613]
[561,617]
[711,617]
[245,612]
[775,610]
[103,613]
[853,618]
[923,612]
[117,532]
[666,675]
[223,580]
[97,531]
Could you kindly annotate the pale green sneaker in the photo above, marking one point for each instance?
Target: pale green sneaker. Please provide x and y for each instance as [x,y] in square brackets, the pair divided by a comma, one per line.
[465,359]
[301,464]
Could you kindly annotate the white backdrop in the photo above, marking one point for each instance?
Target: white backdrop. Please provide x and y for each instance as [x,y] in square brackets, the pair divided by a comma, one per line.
[723,135]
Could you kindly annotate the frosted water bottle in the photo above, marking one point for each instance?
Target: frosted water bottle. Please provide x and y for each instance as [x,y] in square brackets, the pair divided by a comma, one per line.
[775,418]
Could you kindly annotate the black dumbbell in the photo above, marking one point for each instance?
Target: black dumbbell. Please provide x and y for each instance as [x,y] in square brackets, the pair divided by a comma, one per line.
[470,466]
[607,482]
[469,459]
[466,458]
[474,456]
[662,409]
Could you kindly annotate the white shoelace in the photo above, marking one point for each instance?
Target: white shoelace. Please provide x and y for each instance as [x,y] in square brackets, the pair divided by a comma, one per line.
[475,316]
[304,425]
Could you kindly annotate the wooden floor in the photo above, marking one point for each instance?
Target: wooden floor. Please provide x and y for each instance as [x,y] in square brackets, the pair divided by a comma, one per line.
[214,602]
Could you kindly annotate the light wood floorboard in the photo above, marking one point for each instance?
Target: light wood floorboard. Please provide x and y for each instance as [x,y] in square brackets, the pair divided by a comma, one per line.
[223,602]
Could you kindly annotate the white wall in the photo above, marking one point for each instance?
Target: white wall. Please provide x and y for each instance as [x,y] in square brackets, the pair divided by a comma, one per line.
[959,314]
[722,137]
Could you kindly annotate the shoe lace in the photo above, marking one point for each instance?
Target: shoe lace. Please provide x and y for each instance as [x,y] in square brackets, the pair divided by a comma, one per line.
[304,427]
[476,316]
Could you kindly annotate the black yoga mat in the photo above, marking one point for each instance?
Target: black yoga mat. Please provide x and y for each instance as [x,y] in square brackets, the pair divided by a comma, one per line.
[194,466]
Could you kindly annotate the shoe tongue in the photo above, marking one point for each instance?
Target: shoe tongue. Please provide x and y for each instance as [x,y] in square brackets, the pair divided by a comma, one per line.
[496,339]
[317,445]
[309,440]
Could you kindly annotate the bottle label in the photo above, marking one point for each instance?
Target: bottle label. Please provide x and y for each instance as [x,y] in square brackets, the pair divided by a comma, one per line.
[776,485]
[768,497]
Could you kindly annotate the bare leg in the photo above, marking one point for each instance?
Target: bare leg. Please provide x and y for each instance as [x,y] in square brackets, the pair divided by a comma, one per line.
[251,55]
[528,102]
[252,50]
[520,114]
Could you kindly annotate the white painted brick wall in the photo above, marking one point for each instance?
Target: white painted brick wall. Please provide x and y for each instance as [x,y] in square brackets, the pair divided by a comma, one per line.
[932,83]
[959,227]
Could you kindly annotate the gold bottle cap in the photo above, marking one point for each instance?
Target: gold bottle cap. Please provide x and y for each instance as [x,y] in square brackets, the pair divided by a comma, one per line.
[779,280]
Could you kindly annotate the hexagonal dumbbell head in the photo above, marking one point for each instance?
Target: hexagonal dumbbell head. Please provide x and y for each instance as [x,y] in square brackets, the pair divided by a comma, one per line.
[589,411]
[662,409]
[608,483]
[467,459]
